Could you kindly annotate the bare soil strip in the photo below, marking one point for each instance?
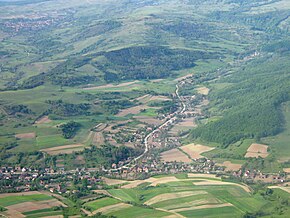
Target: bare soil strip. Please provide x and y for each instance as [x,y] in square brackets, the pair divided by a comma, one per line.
[98,139]
[133,110]
[30,206]
[183,77]
[109,181]
[42,120]
[174,155]
[202,90]
[149,120]
[169,196]
[200,175]
[231,166]
[257,150]
[26,135]
[286,170]
[111,86]
[19,194]
[112,208]
[206,206]
[195,151]
[213,182]
[65,149]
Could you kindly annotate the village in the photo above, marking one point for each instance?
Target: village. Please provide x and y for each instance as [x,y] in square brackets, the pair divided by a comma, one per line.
[163,154]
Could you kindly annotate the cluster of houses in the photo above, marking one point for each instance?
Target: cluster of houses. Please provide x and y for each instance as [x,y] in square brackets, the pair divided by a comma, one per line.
[17,179]
[153,166]
[258,176]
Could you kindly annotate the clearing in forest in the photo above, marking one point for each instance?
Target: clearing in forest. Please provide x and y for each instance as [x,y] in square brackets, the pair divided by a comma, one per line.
[195,150]
[257,150]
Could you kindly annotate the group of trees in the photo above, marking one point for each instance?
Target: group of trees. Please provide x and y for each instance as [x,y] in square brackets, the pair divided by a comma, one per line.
[61,108]
[108,154]
[148,62]
[20,108]
[70,129]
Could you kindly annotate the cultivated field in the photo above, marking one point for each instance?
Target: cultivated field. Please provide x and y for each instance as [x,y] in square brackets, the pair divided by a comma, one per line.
[109,86]
[42,120]
[195,150]
[65,149]
[175,155]
[231,166]
[257,150]
[25,135]
[188,195]
[202,90]
[29,203]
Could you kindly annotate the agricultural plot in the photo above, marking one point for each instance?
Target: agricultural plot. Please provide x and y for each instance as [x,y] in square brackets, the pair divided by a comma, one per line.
[195,150]
[202,90]
[65,149]
[193,195]
[175,155]
[30,204]
[257,150]
[184,125]
[25,135]
[231,166]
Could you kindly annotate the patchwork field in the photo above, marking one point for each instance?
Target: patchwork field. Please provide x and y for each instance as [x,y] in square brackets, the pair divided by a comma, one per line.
[190,195]
[30,204]
[257,150]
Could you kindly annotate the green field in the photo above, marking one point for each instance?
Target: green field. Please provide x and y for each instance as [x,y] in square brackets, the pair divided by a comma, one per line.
[189,200]
[7,201]
[103,202]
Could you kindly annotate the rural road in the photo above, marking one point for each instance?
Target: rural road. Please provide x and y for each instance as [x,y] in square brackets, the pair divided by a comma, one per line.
[157,129]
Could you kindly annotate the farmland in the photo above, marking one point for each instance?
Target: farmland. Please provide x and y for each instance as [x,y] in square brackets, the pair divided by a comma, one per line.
[144,108]
[195,195]
[30,204]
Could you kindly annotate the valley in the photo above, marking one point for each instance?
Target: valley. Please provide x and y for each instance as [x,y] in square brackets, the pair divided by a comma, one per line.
[144,108]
